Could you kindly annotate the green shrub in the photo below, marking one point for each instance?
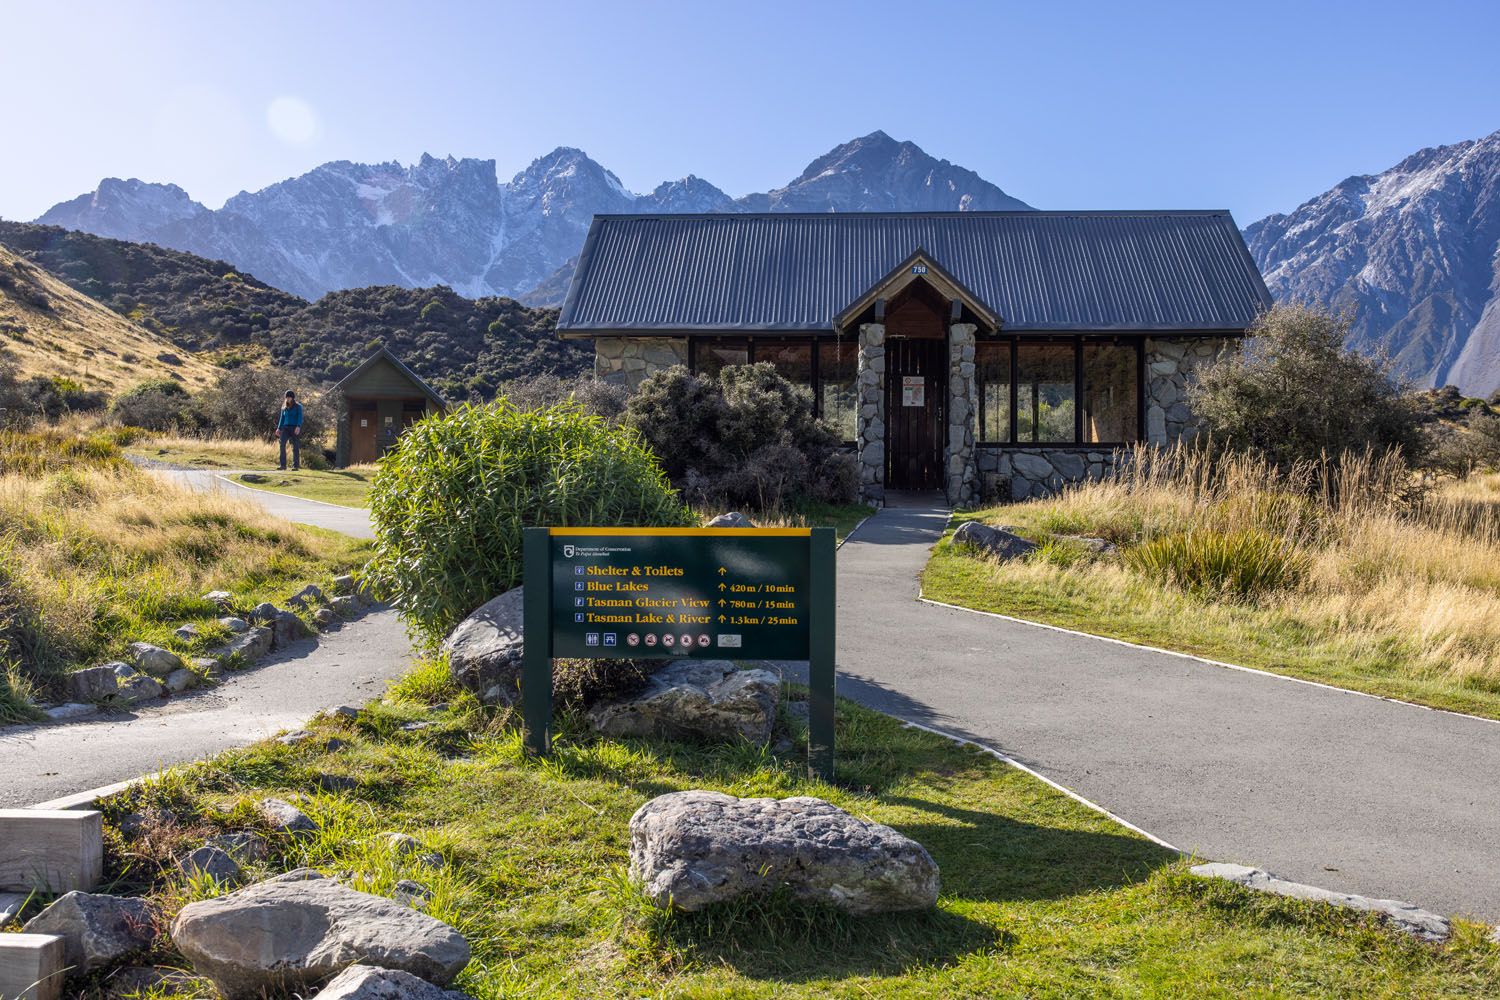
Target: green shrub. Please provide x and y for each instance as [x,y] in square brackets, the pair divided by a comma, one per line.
[451,498]
[245,402]
[745,438]
[1232,563]
[156,405]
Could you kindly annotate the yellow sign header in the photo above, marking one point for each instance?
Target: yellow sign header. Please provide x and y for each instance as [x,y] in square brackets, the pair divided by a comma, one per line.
[701,532]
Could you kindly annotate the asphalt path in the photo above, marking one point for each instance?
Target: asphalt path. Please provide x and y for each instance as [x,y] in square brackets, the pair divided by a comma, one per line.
[1329,787]
[349,665]
[348,520]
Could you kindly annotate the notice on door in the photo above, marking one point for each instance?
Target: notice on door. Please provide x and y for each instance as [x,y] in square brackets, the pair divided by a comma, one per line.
[913,390]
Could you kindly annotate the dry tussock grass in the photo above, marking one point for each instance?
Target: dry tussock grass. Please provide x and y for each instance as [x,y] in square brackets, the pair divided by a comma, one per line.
[1387,564]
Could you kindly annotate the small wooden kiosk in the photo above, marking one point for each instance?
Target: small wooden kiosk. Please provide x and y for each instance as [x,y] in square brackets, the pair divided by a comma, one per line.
[380,399]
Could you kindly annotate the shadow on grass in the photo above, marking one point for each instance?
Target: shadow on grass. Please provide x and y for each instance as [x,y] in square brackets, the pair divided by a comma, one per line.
[776,937]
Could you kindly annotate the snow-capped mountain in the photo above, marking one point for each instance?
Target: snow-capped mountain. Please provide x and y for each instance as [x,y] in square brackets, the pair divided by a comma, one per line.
[451,222]
[1412,253]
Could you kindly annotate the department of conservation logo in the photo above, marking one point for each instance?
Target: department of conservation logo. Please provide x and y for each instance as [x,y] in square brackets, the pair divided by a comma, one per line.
[567,552]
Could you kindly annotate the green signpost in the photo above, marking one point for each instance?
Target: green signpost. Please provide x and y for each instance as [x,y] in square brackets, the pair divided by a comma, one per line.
[668,593]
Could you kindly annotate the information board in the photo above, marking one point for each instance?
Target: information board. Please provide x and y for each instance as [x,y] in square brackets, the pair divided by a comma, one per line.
[721,593]
[663,593]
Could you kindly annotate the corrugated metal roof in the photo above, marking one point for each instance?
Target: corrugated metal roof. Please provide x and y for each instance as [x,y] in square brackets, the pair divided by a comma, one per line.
[1036,270]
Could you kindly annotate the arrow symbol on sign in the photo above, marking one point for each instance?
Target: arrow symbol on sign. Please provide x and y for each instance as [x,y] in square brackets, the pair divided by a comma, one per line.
[722,571]
[722,587]
[721,619]
[721,602]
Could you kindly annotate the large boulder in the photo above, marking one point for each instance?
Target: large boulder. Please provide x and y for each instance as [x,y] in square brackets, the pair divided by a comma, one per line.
[484,651]
[287,628]
[97,930]
[247,646]
[733,519]
[999,543]
[366,982]
[691,849]
[284,936]
[696,699]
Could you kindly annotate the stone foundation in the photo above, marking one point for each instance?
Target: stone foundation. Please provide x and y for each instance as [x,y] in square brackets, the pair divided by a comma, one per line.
[628,361]
[1007,474]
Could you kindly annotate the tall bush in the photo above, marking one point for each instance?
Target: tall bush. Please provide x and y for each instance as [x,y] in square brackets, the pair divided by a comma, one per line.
[245,402]
[449,502]
[1296,393]
[160,404]
[747,437]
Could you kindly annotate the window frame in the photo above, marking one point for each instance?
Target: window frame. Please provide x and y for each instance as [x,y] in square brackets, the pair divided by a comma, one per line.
[1077,342]
[811,343]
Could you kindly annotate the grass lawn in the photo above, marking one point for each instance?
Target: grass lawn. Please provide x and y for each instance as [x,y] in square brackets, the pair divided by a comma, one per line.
[1358,592]
[1041,896]
[99,554]
[842,518]
[346,487]
[207,453]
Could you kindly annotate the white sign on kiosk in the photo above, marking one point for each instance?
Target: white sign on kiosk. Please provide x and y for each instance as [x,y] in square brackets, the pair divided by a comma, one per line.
[913,390]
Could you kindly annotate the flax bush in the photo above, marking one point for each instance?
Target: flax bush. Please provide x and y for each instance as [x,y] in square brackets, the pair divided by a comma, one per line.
[449,502]
[1239,564]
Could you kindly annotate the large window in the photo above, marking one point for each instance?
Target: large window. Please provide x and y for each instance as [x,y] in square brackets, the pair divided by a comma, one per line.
[1045,394]
[720,352]
[838,371]
[1110,405]
[793,361]
[1031,392]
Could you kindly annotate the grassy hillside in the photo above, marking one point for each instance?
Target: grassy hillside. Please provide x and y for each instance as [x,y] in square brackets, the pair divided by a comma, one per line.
[54,331]
[466,347]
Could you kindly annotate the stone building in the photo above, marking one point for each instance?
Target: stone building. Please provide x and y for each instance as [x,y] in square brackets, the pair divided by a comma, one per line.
[989,355]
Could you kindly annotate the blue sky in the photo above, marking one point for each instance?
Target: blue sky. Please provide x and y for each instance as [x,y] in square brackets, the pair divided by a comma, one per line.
[1251,106]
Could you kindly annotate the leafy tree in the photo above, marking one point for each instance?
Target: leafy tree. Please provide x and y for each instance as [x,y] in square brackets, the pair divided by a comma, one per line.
[1296,393]
[245,402]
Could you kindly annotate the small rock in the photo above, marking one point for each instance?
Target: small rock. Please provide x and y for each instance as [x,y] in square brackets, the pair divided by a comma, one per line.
[242,845]
[366,982]
[154,660]
[1404,916]
[284,817]
[401,844]
[335,782]
[179,681]
[139,688]
[690,849]
[132,824]
[235,625]
[346,712]
[264,612]
[1097,546]
[344,607]
[996,542]
[93,684]
[296,875]
[71,710]
[214,862]
[410,893]
[280,937]
[334,745]
[416,726]
[294,738]
[325,617]
[207,666]
[97,930]
[484,650]
[186,633]
[287,628]
[696,699]
[122,671]
[222,598]
[344,584]
[430,859]
[247,647]
[310,594]
[733,519]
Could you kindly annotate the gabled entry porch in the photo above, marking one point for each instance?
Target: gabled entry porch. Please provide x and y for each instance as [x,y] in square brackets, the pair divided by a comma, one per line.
[918,398]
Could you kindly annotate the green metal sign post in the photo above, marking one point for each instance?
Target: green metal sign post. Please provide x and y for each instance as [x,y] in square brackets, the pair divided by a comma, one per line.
[675,593]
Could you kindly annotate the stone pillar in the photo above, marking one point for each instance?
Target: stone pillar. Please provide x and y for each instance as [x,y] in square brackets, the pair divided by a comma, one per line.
[961,475]
[870,423]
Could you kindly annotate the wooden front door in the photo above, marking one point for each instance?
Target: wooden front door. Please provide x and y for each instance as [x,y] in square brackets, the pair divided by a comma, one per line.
[916,393]
[363,427]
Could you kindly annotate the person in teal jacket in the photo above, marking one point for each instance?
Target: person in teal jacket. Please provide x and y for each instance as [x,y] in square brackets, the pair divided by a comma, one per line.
[289,428]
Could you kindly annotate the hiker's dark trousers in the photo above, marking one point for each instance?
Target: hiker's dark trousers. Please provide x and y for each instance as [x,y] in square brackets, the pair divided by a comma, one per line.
[289,434]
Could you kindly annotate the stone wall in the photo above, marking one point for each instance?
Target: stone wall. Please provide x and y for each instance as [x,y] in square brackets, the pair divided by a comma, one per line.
[1022,473]
[1171,365]
[961,475]
[628,361]
[869,440]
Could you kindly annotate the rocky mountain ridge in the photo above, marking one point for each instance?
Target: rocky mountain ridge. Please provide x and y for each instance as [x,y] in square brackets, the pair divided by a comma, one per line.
[451,222]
